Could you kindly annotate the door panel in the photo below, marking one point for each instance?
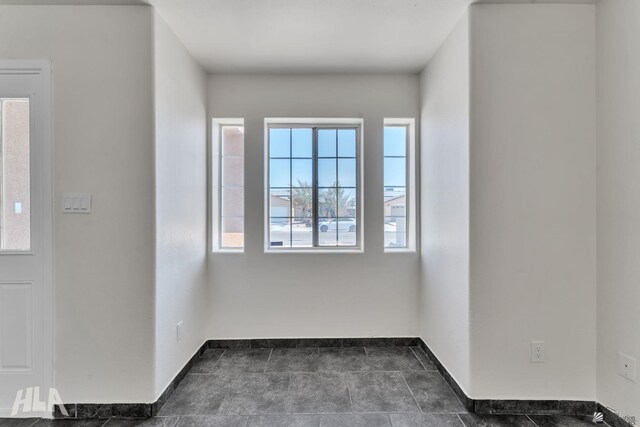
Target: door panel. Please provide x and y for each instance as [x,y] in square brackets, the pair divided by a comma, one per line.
[16,327]
[26,298]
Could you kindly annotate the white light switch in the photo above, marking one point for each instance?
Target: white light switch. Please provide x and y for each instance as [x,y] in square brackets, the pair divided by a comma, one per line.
[76,203]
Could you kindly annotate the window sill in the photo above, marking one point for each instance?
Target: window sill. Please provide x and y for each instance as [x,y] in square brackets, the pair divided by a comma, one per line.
[399,251]
[315,251]
[227,251]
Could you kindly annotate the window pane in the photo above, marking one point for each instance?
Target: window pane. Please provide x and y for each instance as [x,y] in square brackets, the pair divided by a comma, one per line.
[302,143]
[395,141]
[328,232]
[394,172]
[327,202]
[395,181]
[230,209]
[15,194]
[301,173]
[280,232]
[346,202]
[347,231]
[346,143]
[302,232]
[280,204]
[232,171]
[279,142]
[327,173]
[394,202]
[232,201]
[232,141]
[326,142]
[347,172]
[232,232]
[302,202]
[279,171]
[395,231]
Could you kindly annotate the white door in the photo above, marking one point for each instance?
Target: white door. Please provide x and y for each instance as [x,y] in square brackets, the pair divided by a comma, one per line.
[26,282]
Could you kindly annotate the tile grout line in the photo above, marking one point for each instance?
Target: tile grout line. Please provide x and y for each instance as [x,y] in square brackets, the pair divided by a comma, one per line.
[529,418]
[349,392]
[266,366]
[461,420]
[214,365]
[390,420]
[412,395]
[288,401]
[226,394]
[419,361]
[415,356]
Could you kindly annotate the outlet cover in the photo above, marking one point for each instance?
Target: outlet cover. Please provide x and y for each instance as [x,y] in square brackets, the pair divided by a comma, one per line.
[627,366]
[537,351]
[179,331]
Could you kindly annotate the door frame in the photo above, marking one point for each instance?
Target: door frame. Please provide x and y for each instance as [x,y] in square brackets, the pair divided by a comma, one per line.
[42,144]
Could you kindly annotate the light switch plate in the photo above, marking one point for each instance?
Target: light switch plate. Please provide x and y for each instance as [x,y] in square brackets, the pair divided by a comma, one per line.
[77,203]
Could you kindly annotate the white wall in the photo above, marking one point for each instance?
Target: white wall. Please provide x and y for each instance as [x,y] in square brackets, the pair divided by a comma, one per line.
[618,83]
[444,299]
[181,204]
[533,221]
[103,138]
[299,295]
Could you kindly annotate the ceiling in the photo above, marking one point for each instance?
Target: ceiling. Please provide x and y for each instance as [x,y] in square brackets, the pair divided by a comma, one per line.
[74,2]
[307,36]
[311,36]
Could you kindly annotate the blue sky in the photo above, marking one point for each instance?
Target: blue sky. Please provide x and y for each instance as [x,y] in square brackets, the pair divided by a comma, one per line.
[331,142]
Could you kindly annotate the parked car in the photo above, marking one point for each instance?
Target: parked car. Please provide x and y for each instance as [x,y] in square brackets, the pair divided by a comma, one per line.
[343,224]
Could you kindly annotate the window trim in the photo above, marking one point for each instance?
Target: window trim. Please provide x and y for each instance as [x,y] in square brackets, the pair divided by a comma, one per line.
[337,123]
[216,184]
[410,184]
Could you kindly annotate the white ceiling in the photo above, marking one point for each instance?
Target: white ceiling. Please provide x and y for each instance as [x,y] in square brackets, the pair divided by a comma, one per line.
[308,36]
[74,2]
[311,36]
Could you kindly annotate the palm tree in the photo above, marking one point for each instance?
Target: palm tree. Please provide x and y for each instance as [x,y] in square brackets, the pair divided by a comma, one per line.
[303,200]
[336,201]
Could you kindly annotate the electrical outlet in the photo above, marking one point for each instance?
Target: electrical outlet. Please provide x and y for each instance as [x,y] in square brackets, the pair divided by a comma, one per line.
[627,366]
[537,351]
[179,331]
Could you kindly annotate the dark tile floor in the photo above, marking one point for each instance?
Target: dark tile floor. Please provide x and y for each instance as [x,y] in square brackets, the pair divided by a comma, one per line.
[382,386]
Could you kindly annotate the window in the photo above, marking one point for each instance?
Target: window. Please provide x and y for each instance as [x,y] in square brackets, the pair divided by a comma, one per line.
[15,215]
[228,185]
[313,182]
[399,179]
